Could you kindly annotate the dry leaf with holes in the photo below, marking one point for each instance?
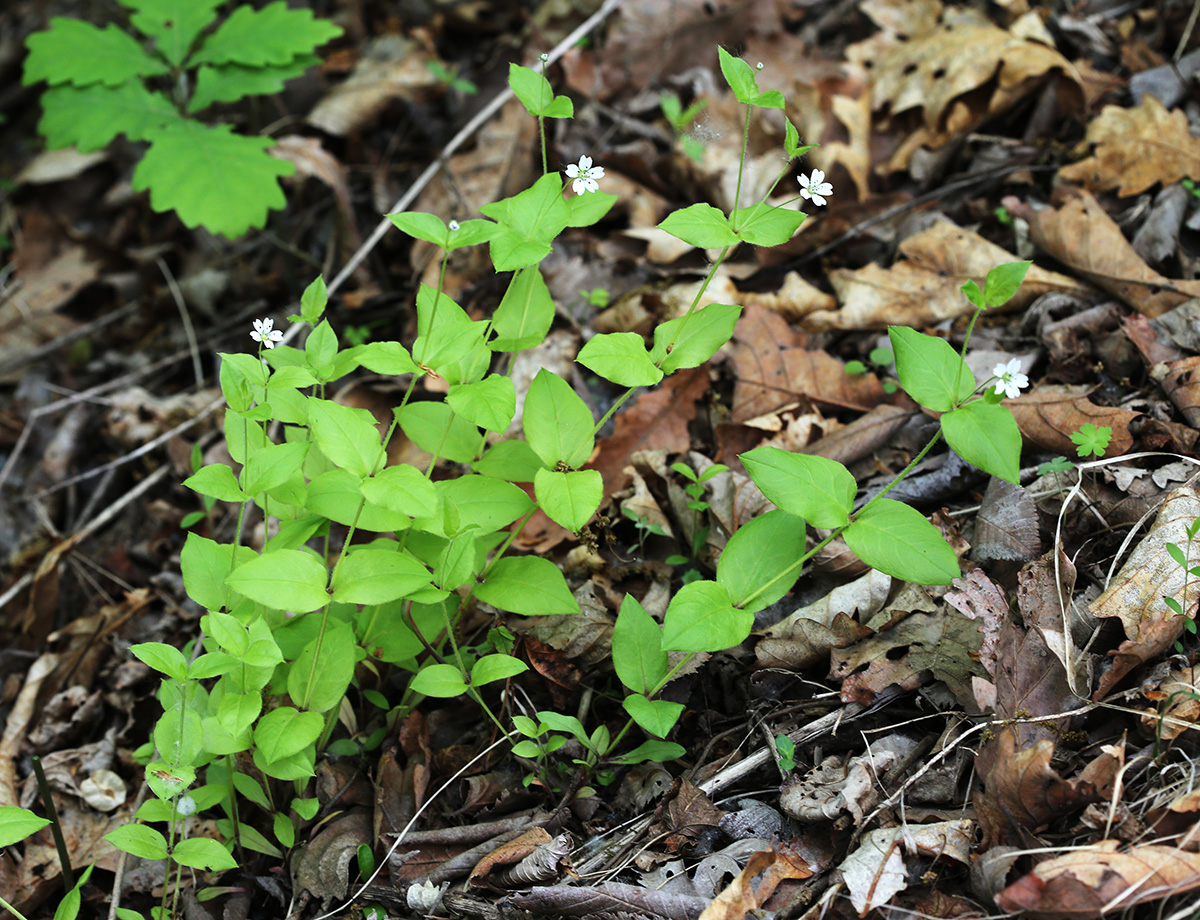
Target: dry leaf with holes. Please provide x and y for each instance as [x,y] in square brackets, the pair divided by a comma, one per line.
[1135,149]
[1094,880]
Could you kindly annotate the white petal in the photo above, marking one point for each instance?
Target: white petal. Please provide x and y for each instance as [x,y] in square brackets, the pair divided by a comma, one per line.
[818,177]
[817,199]
[804,193]
[1001,386]
[824,189]
[572,171]
[803,180]
[596,172]
[999,370]
[585,162]
[579,186]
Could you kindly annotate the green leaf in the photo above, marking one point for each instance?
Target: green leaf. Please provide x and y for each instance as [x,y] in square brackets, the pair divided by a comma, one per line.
[558,722]
[139,840]
[285,831]
[337,496]
[525,312]
[531,220]
[348,437]
[483,502]
[306,808]
[657,717]
[324,668]
[285,579]
[422,226]
[18,823]
[90,117]
[297,767]
[929,369]
[895,539]
[740,77]
[701,618]
[694,339]
[387,358]
[701,225]
[491,668]
[314,300]
[216,480]
[489,403]
[438,680]
[162,657]
[760,561]
[211,664]
[536,95]
[590,208]
[173,24]
[273,466]
[652,752]
[621,358]
[569,499]
[321,346]
[270,36]
[76,52]
[791,141]
[513,461]
[815,488]
[286,731]
[203,853]
[376,576]
[402,488]
[471,233]
[231,82]
[765,225]
[637,653]
[211,177]
[527,585]
[558,424]
[1003,282]
[437,429]
[242,379]
[205,564]
[986,436]
[237,711]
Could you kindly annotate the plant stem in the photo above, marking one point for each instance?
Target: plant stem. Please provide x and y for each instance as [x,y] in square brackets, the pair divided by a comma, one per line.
[64,857]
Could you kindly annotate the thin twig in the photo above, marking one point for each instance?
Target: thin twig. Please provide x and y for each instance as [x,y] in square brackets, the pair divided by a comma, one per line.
[188,329]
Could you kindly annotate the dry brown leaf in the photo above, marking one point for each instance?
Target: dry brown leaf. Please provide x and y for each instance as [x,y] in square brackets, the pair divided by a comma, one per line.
[1092,881]
[1022,792]
[510,853]
[1149,574]
[608,901]
[1136,148]
[392,67]
[774,370]
[1080,234]
[876,871]
[1178,706]
[756,883]
[1049,415]
[323,864]
[1181,382]
[1006,527]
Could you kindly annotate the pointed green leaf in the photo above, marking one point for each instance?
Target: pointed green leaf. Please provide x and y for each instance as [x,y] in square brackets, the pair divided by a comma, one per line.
[514,461]
[139,840]
[896,539]
[273,466]
[285,731]
[815,488]
[701,225]
[986,436]
[386,358]
[621,358]
[491,668]
[90,117]
[273,35]
[760,563]
[402,488]
[203,853]
[216,480]
[527,585]
[484,502]
[443,681]
[18,823]
[376,576]
[536,95]
[694,339]
[286,579]
[531,220]
[765,225]
[162,657]
[657,717]
[569,499]
[173,24]
[76,52]
[1003,282]
[490,403]
[701,618]
[637,652]
[231,82]
[930,371]
[558,424]
[348,437]
[525,312]
[739,75]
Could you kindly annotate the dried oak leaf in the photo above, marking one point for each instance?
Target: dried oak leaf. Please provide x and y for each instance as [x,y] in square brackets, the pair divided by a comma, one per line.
[756,883]
[323,864]
[1022,793]
[1135,149]
[1149,574]
[1049,416]
[1079,233]
[1090,882]
[945,643]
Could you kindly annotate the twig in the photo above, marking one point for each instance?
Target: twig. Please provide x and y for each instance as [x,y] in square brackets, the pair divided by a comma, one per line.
[188,330]
[28,357]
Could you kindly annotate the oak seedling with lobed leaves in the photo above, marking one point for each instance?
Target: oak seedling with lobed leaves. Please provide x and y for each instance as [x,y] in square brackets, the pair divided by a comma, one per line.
[371,569]
[153,84]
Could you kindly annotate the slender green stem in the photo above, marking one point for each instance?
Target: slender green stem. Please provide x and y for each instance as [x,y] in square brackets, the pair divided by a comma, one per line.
[695,301]
[737,195]
[12,910]
[64,856]
[966,342]
[437,299]
[234,814]
[937,436]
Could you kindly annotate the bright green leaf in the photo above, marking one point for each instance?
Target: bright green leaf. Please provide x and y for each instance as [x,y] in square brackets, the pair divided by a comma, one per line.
[536,95]
[231,82]
[490,403]
[216,480]
[815,488]
[637,652]
[348,437]
[438,680]
[513,461]
[986,436]
[402,488]
[203,853]
[620,357]
[569,499]
[1003,282]
[657,717]
[162,657]
[77,52]
[483,502]
[930,371]
[139,840]
[273,466]
[285,579]
[897,540]
[558,424]
[18,823]
[273,35]
[760,563]
[90,117]
[525,312]
[491,668]
[694,339]
[437,429]
[285,731]
[701,225]
[376,576]
[701,618]
[527,585]
[173,24]
[765,225]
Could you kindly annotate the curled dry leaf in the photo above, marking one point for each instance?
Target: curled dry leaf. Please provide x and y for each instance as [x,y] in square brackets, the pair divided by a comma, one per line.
[1136,149]
[1135,595]
[756,883]
[1180,380]
[1092,881]
[876,871]
[1079,233]
[1049,416]
[609,900]
[323,864]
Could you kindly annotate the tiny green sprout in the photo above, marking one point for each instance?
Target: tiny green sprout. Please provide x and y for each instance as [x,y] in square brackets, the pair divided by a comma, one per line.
[787,752]
[451,78]
[1191,187]
[1091,440]
[597,297]
[1003,216]
[356,335]
[680,120]
[1057,465]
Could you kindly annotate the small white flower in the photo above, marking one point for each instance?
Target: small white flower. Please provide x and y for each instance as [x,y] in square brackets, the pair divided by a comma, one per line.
[266,333]
[759,66]
[1009,379]
[453,225]
[585,176]
[544,57]
[815,188]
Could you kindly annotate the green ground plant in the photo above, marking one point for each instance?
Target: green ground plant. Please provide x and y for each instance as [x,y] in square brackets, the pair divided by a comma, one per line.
[370,568]
[152,84]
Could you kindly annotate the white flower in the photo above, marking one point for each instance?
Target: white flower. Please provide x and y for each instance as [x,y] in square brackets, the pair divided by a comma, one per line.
[1009,379]
[585,176]
[453,225]
[265,332]
[544,57]
[815,188]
